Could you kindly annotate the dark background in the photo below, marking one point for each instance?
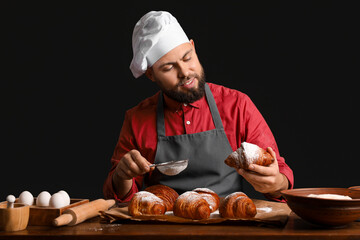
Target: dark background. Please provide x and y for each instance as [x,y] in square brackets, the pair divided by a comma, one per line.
[66,84]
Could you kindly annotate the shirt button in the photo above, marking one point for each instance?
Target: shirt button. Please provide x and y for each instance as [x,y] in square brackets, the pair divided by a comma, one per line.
[188,122]
[185,104]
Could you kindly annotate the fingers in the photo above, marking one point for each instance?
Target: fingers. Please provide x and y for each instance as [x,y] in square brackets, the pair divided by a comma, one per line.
[131,165]
[273,154]
[140,161]
[261,183]
[262,178]
[270,170]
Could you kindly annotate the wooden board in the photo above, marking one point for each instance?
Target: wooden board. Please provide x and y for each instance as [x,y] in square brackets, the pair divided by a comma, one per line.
[43,216]
[273,213]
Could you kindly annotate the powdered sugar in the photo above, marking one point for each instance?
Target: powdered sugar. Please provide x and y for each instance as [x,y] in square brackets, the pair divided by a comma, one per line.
[190,195]
[148,196]
[330,196]
[264,209]
[206,194]
[172,170]
[250,151]
[233,194]
[213,215]
[206,190]
[236,155]
[210,199]
[245,155]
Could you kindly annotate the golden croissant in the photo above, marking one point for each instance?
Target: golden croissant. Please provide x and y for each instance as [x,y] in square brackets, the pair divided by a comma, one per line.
[237,205]
[167,194]
[247,154]
[146,203]
[191,205]
[210,196]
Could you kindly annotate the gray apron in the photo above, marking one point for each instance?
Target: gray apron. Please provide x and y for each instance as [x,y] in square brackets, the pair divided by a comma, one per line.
[206,152]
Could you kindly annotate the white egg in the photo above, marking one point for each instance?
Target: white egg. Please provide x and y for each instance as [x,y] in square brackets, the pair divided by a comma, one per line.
[43,199]
[57,201]
[66,196]
[26,198]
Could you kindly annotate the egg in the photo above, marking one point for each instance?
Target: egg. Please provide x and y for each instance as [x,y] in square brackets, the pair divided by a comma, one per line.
[66,196]
[43,199]
[26,198]
[57,200]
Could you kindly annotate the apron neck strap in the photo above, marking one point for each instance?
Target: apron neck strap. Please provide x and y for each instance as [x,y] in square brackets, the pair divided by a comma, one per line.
[213,108]
[160,122]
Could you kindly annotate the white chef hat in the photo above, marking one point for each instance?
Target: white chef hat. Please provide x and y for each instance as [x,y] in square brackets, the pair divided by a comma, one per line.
[155,34]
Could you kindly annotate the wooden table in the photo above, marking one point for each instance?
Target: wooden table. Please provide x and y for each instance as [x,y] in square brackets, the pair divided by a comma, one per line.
[295,228]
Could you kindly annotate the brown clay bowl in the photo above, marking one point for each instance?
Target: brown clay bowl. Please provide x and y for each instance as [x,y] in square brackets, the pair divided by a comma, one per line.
[324,212]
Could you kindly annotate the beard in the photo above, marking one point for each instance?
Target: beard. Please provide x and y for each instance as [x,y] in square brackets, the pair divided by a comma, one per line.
[191,95]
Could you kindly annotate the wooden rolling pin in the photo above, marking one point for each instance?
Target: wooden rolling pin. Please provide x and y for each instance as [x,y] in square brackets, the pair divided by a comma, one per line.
[78,214]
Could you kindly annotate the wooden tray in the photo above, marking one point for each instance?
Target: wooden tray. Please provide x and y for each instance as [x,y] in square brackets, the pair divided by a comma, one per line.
[42,216]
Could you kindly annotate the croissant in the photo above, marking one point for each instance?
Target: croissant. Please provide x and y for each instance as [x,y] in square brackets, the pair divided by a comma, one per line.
[247,154]
[191,205]
[146,203]
[210,196]
[237,205]
[167,194]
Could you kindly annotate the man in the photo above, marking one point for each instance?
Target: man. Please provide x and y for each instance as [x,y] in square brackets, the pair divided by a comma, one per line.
[187,119]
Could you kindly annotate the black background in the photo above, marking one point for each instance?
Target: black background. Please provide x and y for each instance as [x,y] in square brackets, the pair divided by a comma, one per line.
[66,84]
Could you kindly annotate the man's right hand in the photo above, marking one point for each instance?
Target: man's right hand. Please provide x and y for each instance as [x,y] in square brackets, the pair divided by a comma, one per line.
[131,165]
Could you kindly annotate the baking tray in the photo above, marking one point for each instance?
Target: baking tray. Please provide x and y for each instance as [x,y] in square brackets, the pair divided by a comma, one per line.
[273,213]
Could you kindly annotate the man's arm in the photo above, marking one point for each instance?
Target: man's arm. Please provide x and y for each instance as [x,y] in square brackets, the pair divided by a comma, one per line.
[276,177]
[131,165]
[127,166]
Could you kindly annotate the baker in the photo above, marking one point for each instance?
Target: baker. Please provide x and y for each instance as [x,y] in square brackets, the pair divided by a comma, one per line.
[187,119]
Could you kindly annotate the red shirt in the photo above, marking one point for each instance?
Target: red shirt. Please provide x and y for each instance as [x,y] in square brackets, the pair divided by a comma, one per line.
[241,120]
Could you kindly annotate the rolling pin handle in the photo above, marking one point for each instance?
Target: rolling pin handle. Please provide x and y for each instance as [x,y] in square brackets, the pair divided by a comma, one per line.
[63,219]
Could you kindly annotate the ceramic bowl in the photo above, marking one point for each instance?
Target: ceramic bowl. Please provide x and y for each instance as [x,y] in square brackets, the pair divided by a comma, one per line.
[14,219]
[324,212]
